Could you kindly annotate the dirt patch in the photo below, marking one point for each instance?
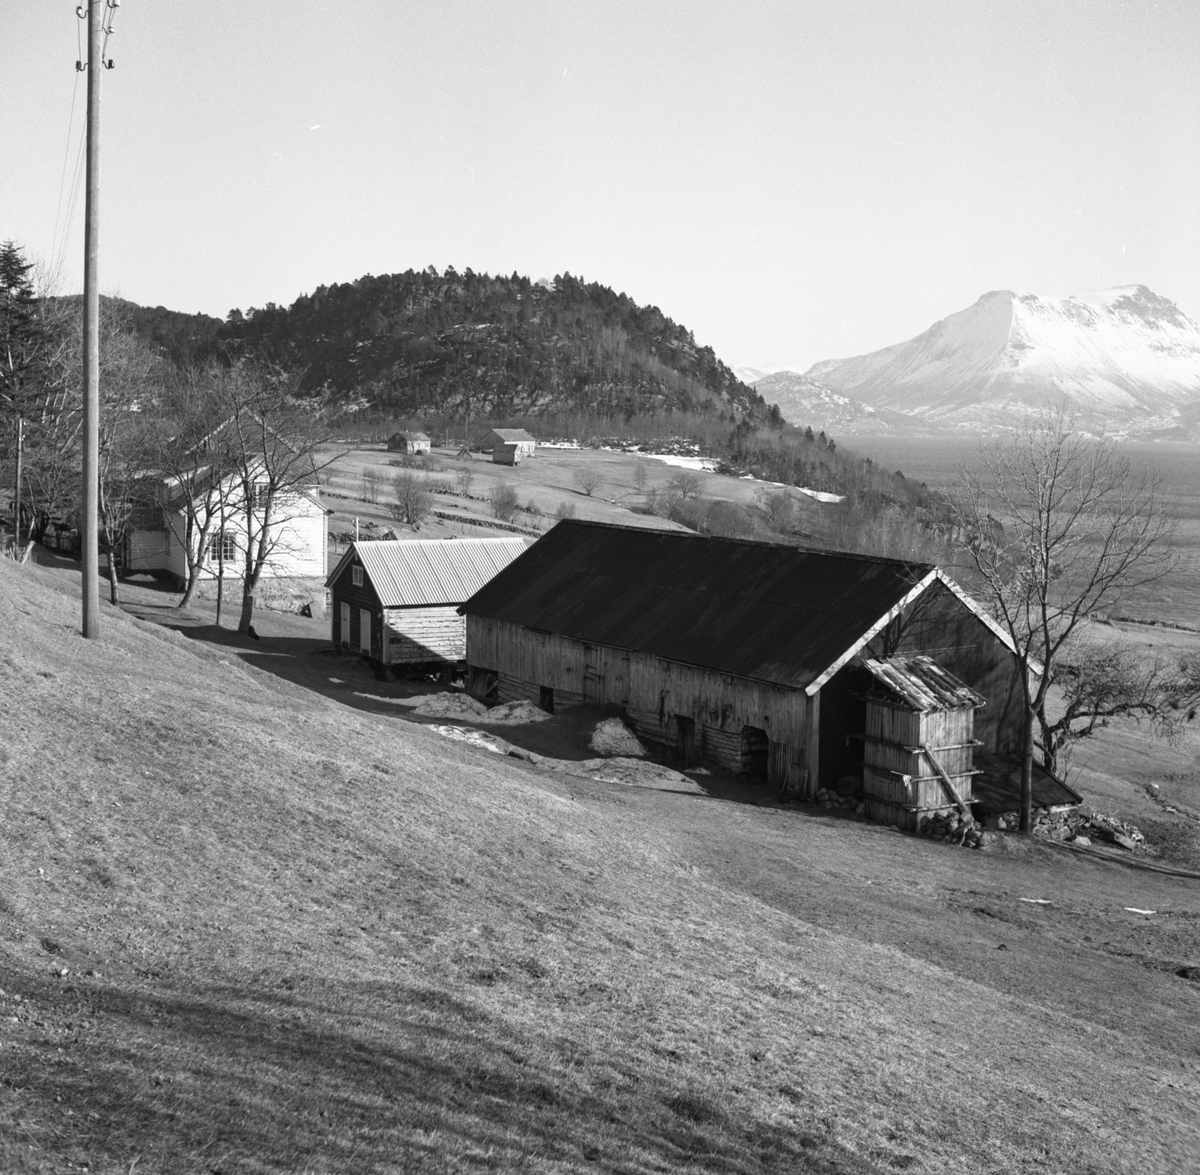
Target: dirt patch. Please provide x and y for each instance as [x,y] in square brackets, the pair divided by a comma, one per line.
[631,773]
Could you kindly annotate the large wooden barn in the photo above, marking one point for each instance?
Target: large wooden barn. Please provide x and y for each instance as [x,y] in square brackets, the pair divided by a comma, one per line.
[748,654]
[395,601]
[525,443]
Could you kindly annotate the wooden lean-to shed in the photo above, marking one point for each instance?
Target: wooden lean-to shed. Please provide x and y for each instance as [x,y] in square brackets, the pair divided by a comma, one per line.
[395,601]
[919,740]
[412,443]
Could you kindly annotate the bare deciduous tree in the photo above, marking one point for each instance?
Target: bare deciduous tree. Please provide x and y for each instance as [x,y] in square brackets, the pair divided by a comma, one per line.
[504,502]
[780,511]
[274,440]
[686,483]
[462,480]
[1057,529]
[410,499]
[588,479]
[371,480]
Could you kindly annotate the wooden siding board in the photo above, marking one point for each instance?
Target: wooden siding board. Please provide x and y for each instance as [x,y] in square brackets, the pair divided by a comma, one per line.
[417,635]
[652,690]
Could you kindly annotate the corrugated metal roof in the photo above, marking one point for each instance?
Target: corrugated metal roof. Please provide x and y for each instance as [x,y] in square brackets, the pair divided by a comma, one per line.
[410,572]
[758,610]
[922,683]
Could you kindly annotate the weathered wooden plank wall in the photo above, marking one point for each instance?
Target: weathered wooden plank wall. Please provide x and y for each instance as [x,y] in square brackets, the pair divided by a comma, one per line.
[653,692]
[940,626]
[416,635]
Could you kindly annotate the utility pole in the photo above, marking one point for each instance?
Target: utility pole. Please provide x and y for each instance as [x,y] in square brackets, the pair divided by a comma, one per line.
[88,528]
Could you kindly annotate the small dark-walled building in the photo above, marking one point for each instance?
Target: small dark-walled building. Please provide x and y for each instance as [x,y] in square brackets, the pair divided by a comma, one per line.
[413,443]
[395,601]
[747,654]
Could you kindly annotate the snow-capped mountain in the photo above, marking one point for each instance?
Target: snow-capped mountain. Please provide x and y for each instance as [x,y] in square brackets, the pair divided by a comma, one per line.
[1125,360]
[804,401]
[751,375]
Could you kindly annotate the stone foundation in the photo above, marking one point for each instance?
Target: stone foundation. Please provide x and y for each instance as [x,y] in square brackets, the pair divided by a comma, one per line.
[278,594]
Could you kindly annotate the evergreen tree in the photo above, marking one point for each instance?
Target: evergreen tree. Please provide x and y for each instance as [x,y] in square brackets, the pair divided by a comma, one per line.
[23,341]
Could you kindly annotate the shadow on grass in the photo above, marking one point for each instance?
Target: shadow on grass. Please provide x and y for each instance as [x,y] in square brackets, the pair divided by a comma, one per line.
[371,1077]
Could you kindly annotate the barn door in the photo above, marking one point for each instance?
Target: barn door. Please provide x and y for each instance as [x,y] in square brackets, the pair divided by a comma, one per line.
[593,680]
[685,738]
[344,626]
[364,631]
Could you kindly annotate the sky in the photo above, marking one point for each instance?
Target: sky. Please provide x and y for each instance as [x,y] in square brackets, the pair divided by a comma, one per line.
[791,181]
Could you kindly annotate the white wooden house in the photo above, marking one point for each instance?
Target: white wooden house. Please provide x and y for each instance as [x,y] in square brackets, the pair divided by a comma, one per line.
[294,573]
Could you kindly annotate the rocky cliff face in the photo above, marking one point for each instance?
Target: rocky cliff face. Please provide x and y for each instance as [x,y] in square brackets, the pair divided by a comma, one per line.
[1126,360]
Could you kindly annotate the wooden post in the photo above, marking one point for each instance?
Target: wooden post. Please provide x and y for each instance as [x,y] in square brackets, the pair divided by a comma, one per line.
[947,782]
[17,499]
[88,529]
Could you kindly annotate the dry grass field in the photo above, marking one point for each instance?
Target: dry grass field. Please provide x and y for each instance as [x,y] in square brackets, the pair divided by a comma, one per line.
[547,482]
[254,918]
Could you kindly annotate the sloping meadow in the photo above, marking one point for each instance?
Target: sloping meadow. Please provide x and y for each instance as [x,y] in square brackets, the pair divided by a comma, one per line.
[243,928]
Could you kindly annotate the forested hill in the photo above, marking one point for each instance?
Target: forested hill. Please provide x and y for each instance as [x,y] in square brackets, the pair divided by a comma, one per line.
[420,342]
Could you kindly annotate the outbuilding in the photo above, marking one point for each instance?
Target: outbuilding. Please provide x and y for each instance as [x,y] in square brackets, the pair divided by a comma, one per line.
[506,454]
[525,444]
[395,601]
[747,654]
[412,443]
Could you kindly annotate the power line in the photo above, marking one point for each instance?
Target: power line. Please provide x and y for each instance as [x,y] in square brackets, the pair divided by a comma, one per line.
[62,182]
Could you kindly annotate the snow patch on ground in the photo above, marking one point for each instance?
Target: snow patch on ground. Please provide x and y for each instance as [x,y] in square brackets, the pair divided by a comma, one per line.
[613,738]
[445,705]
[517,713]
[704,464]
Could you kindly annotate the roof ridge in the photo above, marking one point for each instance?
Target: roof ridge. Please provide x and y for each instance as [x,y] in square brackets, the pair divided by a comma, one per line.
[747,542]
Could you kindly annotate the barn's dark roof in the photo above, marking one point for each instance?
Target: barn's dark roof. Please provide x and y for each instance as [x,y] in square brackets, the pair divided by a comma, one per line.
[758,610]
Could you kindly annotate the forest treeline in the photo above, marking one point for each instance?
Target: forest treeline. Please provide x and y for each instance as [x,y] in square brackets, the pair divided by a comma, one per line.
[470,343]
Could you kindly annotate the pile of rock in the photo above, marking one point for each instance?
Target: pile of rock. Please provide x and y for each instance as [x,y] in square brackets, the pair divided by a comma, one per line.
[1083,829]
[828,798]
[954,827]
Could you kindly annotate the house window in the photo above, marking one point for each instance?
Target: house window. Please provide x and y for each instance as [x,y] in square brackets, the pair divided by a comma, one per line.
[356,576]
[222,547]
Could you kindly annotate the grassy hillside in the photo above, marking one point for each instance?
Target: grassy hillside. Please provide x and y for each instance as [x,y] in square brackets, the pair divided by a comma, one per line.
[249,926]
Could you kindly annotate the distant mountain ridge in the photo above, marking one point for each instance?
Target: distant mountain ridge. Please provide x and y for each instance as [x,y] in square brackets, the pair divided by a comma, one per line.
[1126,361]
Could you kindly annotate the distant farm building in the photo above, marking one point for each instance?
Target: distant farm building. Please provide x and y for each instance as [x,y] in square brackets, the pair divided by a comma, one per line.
[409,442]
[506,454]
[525,443]
[761,658]
[395,601]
